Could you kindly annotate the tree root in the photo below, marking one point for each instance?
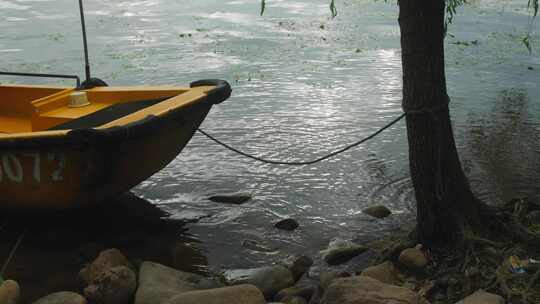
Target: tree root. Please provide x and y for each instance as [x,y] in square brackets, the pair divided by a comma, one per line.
[512,215]
[532,282]
[481,259]
[502,282]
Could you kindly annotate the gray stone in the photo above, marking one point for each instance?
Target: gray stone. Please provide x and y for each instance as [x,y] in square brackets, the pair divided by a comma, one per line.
[385,272]
[295,291]
[413,258]
[339,252]
[327,277]
[117,285]
[294,300]
[10,292]
[378,211]
[106,259]
[62,297]
[269,280]
[482,297]
[158,283]
[298,265]
[287,224]
[231,198]
[240,294]
[363,290]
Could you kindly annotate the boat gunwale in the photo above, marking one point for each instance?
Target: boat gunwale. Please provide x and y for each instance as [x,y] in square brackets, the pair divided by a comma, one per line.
[212,91]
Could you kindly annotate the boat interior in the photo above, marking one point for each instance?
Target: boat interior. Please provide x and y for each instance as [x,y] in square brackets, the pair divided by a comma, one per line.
[26,109]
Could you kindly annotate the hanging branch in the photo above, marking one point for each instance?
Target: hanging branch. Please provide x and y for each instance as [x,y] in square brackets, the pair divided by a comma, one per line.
[334,11]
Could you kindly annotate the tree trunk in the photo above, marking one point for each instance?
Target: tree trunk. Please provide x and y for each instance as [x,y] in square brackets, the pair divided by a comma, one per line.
[446,207]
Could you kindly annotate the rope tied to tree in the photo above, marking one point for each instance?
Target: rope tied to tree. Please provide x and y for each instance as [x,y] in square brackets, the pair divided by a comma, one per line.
[440,190]
[303,163]
[411,111]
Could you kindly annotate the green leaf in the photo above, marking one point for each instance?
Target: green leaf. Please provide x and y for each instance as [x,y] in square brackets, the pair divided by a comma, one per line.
[333,9]
[1,280]
[527,41]
[263,6]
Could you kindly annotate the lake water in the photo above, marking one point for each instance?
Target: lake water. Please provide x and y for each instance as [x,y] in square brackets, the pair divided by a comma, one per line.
[303,85]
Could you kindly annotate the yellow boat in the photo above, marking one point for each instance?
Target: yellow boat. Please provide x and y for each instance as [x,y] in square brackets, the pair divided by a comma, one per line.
[64,147]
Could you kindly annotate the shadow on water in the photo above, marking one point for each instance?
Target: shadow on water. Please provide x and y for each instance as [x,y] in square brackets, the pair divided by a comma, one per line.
[56,246]
[505,143]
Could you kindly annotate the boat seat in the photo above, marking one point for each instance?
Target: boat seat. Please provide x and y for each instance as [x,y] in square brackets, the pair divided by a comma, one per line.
[14,124]
[108,114]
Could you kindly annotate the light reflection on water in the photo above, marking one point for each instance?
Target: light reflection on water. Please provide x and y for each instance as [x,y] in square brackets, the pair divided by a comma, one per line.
[303,85]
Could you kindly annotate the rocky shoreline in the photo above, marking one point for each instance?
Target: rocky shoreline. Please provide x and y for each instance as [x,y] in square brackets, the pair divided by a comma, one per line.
[112,278]
[138,258]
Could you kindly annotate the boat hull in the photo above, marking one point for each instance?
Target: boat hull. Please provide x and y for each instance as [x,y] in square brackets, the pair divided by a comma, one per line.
[88,166]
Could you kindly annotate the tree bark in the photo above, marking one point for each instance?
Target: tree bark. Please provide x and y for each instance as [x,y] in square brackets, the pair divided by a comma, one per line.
[446,207]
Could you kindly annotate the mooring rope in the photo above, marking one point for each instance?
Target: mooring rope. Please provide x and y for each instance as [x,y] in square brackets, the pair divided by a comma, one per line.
[303,163]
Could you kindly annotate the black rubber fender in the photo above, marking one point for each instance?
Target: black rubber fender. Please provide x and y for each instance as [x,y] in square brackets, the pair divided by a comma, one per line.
[220,93]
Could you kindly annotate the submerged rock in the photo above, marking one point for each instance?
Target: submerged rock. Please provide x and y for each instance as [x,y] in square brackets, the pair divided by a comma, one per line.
[62,297]
[384,272]
[339,252]
[363,289]
[269,279]
[158,283]
[288,224]
[378,211]
[253,245]
[10,292]
[231,198]
[482,297]
[240,294]
[117,285]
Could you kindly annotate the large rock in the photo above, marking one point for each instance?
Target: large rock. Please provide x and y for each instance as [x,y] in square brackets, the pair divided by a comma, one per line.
[298,265]
[366,290]
[327,277]
[117,285]
[240,294]
[339,252]
[378,211]
[482,297]
[269,280]
[158,283]
[413,258]
[62,297]
[385,272]
[106,259]
[10,292]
